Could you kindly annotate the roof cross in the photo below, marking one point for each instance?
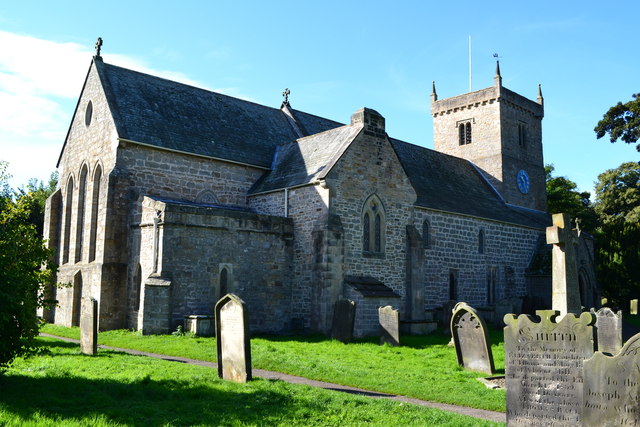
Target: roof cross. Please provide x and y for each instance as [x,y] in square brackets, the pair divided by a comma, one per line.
[98,46]
[286,94]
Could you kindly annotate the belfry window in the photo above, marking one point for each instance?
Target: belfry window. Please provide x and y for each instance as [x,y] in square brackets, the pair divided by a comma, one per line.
[522,135]
[464,132]
[373,226]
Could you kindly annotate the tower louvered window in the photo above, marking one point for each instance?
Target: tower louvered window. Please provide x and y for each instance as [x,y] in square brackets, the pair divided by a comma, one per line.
[464,133]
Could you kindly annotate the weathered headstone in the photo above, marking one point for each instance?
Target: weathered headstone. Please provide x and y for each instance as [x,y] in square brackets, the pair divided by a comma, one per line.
[608,330]
[612,387]
[233,345]
[389,325]
[89,326]
[564,276]
[633,306]
[344,316]
[543,366]
[471,339]
[447,311]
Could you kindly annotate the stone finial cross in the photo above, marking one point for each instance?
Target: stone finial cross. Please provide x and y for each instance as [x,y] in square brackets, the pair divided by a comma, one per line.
[286,94]
[566,290]
[98,46]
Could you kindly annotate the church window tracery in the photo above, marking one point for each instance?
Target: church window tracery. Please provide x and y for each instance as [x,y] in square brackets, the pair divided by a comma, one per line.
[373,226]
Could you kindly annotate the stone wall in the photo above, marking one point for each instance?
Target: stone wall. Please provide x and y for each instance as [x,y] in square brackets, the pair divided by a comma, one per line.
[453,245]
[367,322]
[196,242]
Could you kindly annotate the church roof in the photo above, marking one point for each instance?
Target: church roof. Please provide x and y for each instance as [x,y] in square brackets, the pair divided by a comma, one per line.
[447,183]
[176,116]
[306,160]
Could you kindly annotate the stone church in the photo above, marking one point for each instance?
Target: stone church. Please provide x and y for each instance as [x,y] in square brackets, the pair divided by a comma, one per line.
[171,196]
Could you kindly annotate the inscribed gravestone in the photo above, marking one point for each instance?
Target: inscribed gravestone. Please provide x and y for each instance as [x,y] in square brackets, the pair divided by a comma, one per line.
[471,340]
[89,326]
[564,277]
[233,345]
[611,387]
[344,316]
[608,330]
[389,325]
[633,306]
[543,366]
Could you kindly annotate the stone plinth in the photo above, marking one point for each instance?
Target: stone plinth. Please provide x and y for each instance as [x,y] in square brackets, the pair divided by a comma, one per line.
[200,324]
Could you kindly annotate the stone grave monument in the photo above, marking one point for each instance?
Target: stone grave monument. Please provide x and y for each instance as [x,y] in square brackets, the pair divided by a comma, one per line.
[389,325]
[543,366]
[611,387]
[471,340]
[564,275]
[344,317]
[233,345]
[633,306]
[608,330]
[89,326]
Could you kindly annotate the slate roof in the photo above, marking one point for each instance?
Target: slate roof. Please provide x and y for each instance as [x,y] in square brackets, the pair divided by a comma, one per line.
[447,183]
[306,160]
[176,116]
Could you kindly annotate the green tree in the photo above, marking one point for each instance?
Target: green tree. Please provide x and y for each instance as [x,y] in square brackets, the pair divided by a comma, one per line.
[563,197]
[24,271]
[618,208]
[622,121]
[35,197]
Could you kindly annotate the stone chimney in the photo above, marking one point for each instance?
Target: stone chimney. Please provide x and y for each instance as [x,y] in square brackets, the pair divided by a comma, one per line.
[371,120]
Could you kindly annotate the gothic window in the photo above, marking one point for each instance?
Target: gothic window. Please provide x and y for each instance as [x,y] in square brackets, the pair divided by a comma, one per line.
[137,287]
[481,242]
[464,132]
[492,277]
[95,198]
[68,203]
[77,299]
[82,195]
[224,278]
[426,236]
[522,135]
[453,284]
[373,226]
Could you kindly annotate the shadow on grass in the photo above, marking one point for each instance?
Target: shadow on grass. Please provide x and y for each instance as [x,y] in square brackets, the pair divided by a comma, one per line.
[140,403]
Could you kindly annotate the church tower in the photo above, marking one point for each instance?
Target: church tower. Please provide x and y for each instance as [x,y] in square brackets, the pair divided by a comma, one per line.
[501,133]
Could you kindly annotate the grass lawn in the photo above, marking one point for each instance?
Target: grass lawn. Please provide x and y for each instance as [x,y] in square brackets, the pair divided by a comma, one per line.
[65,387]
[424,367]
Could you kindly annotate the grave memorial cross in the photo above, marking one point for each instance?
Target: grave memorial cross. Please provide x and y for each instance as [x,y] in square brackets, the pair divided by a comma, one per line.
[566,291]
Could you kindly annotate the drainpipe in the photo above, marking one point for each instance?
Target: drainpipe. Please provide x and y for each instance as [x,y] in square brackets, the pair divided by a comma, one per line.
[286,202]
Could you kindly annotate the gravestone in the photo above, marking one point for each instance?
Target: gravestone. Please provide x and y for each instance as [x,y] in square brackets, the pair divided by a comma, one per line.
[471,340]
[608,330]
[633,306]
[564,275]
[89,326]
[447,311]
[389,325]
[344,317]
[612,387]
[543,366]
[233,345]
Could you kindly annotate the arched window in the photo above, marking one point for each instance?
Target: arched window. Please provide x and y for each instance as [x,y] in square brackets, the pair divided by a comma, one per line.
[461,134]
[464,133]
[137,287]
[82,195]
[453,284]
[77,299]
[373,226]
[426,236]
[95,199]
[68,203]
[468,133]
[224,279]
[481,241]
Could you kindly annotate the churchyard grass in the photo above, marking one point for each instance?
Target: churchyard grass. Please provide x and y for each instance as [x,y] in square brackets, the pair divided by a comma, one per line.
[423,367]
[65,387]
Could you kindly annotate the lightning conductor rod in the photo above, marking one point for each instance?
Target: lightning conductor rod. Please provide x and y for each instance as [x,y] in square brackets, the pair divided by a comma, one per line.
[470,69]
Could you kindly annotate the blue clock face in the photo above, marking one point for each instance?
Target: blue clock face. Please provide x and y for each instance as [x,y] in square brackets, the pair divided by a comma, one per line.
[523,181]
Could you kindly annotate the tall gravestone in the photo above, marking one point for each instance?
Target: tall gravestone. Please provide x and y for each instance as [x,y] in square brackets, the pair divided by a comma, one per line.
[89,326]
[543,366]
[389,325]
[344,317]
[608,330]
[612,387]
[564,276]
[471,340]
[232,343]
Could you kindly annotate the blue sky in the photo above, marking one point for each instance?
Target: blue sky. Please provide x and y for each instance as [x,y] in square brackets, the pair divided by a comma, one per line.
[334,56]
